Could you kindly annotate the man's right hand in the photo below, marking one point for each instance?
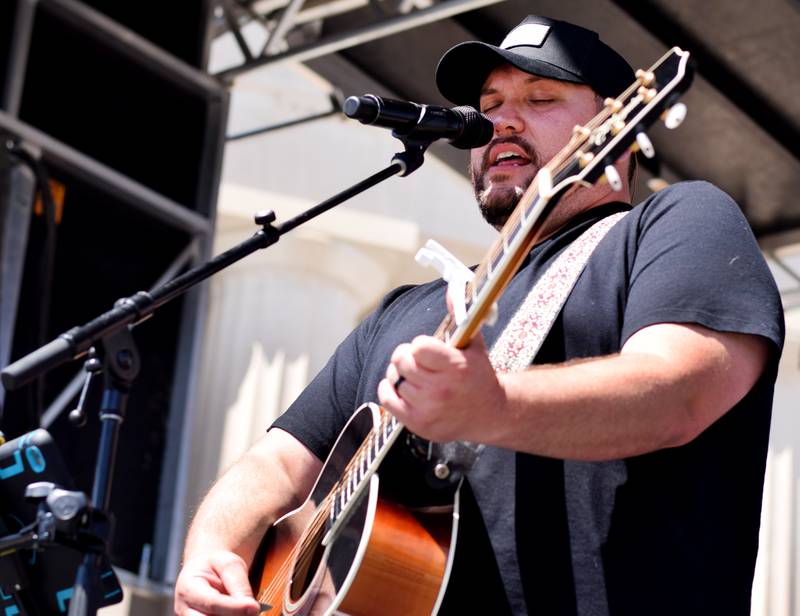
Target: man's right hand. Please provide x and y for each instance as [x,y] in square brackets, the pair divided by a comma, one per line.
[214,583]
[273,477]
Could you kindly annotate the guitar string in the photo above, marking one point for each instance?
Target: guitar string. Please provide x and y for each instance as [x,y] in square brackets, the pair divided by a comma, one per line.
[306,548]
[299,554]
[565,158]
[303,550]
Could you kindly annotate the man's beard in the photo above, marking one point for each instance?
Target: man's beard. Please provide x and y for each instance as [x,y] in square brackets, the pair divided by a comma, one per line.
[497,203]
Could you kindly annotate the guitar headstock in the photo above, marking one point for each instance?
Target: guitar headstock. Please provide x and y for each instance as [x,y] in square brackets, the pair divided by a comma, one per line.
[621,125]
[590,153]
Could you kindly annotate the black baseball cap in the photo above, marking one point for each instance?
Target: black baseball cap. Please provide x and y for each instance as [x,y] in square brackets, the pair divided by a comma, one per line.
[539,46]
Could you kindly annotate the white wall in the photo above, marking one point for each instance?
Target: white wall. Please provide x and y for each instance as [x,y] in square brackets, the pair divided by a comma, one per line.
[777,575]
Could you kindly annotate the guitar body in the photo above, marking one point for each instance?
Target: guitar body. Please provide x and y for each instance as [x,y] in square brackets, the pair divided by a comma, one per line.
[384,559]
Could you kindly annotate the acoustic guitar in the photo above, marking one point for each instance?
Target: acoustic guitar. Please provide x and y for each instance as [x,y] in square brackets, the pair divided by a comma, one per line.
[349,549]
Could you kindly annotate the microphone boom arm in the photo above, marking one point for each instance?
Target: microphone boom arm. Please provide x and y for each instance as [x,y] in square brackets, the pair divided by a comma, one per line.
[131,311]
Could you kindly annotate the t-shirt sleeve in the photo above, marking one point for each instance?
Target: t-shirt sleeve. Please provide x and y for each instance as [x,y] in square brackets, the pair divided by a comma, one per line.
[321,411]
[697,261]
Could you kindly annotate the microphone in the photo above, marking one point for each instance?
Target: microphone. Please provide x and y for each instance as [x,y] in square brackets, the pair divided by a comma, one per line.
[464,126]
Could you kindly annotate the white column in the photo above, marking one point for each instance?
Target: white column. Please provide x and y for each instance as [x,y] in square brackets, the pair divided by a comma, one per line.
[777,575]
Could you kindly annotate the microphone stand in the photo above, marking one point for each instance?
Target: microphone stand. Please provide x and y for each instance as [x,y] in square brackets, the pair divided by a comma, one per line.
[111,331]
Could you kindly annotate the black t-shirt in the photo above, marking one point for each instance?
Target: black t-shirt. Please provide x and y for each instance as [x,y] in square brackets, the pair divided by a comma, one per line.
[670,532]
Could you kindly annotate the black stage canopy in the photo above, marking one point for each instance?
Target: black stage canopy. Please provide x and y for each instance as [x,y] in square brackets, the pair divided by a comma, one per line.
[743,127]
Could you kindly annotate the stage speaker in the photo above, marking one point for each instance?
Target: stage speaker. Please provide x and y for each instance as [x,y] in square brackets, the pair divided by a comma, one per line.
[179,28]
[112,99]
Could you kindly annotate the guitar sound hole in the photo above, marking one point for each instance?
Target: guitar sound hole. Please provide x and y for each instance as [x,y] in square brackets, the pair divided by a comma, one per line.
[307,563]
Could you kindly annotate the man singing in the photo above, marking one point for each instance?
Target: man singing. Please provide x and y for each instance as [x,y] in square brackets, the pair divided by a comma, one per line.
[623,470]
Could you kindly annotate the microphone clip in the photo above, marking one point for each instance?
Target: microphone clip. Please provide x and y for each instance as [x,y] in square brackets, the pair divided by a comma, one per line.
[414,155]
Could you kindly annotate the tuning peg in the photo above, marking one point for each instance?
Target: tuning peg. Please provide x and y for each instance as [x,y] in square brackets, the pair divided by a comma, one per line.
[646,77]
[675,115]
[612,175]
[581,131]
[645,145]
[584,158]
[613,104]
[647,94]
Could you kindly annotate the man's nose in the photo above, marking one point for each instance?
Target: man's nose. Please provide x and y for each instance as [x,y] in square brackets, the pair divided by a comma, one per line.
[507,120]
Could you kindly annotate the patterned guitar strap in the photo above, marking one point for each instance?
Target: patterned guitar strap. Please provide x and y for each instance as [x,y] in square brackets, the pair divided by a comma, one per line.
[522,338]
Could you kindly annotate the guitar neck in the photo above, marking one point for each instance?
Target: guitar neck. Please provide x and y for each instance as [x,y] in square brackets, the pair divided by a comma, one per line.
[521,232]
[590,152]
[589,155]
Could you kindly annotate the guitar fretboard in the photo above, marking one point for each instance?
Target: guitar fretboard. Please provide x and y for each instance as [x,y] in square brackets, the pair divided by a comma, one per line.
[581,161]
[363,465]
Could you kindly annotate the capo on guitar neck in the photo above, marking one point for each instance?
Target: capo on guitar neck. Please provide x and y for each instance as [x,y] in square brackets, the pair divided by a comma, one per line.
[455,273]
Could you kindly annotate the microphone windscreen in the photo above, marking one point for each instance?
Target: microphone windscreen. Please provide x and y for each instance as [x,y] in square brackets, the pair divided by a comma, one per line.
[478,129]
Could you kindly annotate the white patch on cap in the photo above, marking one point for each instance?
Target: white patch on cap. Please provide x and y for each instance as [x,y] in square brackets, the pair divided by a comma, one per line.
[526,34]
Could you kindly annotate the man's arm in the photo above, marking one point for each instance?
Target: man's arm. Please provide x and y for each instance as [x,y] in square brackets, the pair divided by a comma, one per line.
[273,477]
[668,384]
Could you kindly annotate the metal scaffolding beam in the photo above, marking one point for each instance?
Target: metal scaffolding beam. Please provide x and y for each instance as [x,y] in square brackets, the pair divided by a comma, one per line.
[357,36]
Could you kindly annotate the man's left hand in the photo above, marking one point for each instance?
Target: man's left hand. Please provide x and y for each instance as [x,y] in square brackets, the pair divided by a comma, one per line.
[446,393]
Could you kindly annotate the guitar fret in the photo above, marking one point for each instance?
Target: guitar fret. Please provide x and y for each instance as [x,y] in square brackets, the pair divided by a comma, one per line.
[512,234]
[495,263]
[529,210]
